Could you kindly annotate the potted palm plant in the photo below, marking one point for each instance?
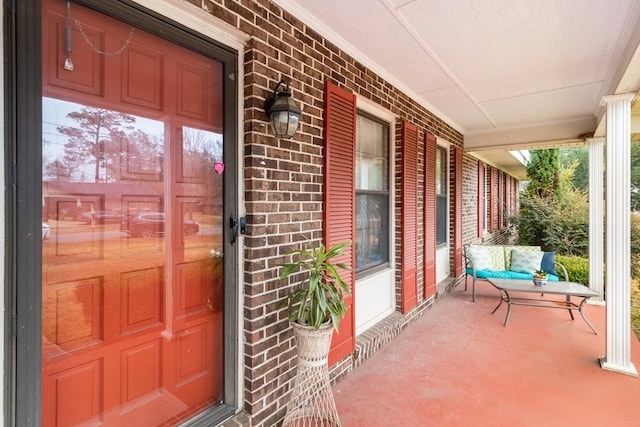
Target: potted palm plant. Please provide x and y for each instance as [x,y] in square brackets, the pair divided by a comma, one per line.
[319,296]
[315,307]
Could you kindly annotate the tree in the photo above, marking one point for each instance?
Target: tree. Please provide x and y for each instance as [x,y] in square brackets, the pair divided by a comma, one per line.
[144,153]
[553,214]
[93,140]
[577,158]
[544,173]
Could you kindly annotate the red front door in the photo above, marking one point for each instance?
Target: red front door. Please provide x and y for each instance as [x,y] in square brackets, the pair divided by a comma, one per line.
[133,184]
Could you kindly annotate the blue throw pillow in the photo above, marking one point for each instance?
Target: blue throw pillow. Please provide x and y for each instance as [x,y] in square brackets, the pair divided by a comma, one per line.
[548,263]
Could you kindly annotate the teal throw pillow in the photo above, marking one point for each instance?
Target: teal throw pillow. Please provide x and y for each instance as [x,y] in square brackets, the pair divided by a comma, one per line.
[480,258]
[525,261]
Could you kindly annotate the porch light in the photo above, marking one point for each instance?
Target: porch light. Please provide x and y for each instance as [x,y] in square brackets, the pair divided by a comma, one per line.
[282,112]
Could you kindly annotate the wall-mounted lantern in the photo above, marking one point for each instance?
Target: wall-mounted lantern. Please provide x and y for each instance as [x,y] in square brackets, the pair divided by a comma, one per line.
[282,112]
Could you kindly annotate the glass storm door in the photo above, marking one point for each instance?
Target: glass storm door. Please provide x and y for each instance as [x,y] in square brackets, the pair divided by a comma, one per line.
[133,179]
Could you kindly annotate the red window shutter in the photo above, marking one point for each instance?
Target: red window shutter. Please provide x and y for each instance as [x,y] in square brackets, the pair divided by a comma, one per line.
[339,198]
[492,201]
[430,153]
[500,198]
[457,212]
[481,192]
[409,216]
[507,195]
[514,195]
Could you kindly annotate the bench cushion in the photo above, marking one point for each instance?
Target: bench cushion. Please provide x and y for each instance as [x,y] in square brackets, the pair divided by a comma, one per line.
[507,274]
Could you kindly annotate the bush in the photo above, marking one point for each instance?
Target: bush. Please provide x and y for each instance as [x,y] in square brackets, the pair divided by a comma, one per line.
[560,225]
[577,268]
[635,245]
[635,307]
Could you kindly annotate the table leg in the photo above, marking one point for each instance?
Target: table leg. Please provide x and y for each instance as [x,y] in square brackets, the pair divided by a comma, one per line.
[504,296]
[508,300]
[584,318]
[499,304]
[569,307]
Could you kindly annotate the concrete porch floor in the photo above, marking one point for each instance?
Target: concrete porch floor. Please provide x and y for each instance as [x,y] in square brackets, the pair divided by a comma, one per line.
[459,366]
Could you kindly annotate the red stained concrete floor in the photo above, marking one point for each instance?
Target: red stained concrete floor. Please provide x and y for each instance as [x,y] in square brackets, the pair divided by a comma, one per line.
[459,366]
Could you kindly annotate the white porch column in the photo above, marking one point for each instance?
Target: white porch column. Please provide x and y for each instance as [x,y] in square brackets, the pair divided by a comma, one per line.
[596,218]
[618,293]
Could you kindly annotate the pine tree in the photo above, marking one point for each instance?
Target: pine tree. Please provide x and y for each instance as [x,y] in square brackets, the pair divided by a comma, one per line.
[544,173]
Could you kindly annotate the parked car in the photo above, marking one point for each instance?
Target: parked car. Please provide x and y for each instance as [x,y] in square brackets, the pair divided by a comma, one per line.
[150,224]
[46,231]
[102,217]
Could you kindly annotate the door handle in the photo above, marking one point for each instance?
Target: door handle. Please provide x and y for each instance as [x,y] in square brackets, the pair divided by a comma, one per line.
[233,224]
[237,224]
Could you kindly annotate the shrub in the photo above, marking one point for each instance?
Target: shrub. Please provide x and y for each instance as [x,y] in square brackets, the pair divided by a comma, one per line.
[560,225]
[635,307]
[635,245]
[577,268]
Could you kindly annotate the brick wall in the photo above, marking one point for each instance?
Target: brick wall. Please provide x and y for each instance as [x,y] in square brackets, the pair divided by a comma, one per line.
[470,208]
[283,182]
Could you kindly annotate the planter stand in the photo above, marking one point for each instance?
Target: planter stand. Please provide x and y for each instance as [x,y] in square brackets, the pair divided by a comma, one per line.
[312,403]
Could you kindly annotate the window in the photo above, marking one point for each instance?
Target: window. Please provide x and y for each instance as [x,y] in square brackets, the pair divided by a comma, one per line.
[442,168]
[372,193]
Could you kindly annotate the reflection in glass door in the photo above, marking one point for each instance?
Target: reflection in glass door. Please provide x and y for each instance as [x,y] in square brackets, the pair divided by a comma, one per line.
[133,179]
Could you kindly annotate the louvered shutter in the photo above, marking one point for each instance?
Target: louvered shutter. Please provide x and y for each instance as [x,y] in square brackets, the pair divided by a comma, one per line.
[409,216]
[339,199]
[457,211]
[514,195]
[492,201]
[481,192]
[430,223]
[500,200]
[507,196]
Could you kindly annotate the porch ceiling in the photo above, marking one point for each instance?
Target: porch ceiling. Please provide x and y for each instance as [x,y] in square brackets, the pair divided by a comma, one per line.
[505,73]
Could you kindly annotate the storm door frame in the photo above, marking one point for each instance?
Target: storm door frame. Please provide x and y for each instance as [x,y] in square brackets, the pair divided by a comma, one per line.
[23,151]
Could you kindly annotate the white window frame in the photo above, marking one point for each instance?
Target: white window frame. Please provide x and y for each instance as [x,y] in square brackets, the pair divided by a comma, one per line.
[443,250]
[375,296]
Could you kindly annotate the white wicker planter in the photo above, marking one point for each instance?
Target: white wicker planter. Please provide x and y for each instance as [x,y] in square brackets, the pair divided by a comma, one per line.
[312,403]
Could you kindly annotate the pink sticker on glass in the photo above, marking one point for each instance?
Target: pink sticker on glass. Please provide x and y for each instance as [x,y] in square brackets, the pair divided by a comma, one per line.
[219,167]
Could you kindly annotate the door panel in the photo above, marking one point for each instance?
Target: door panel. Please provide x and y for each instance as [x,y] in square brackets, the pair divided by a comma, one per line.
[133,277]
[88,75]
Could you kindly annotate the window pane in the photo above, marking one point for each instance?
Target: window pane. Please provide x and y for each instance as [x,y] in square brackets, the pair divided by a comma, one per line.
[441,171]
[372,155]
[372,193]
[441,196]
[372,230]
[441,222]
